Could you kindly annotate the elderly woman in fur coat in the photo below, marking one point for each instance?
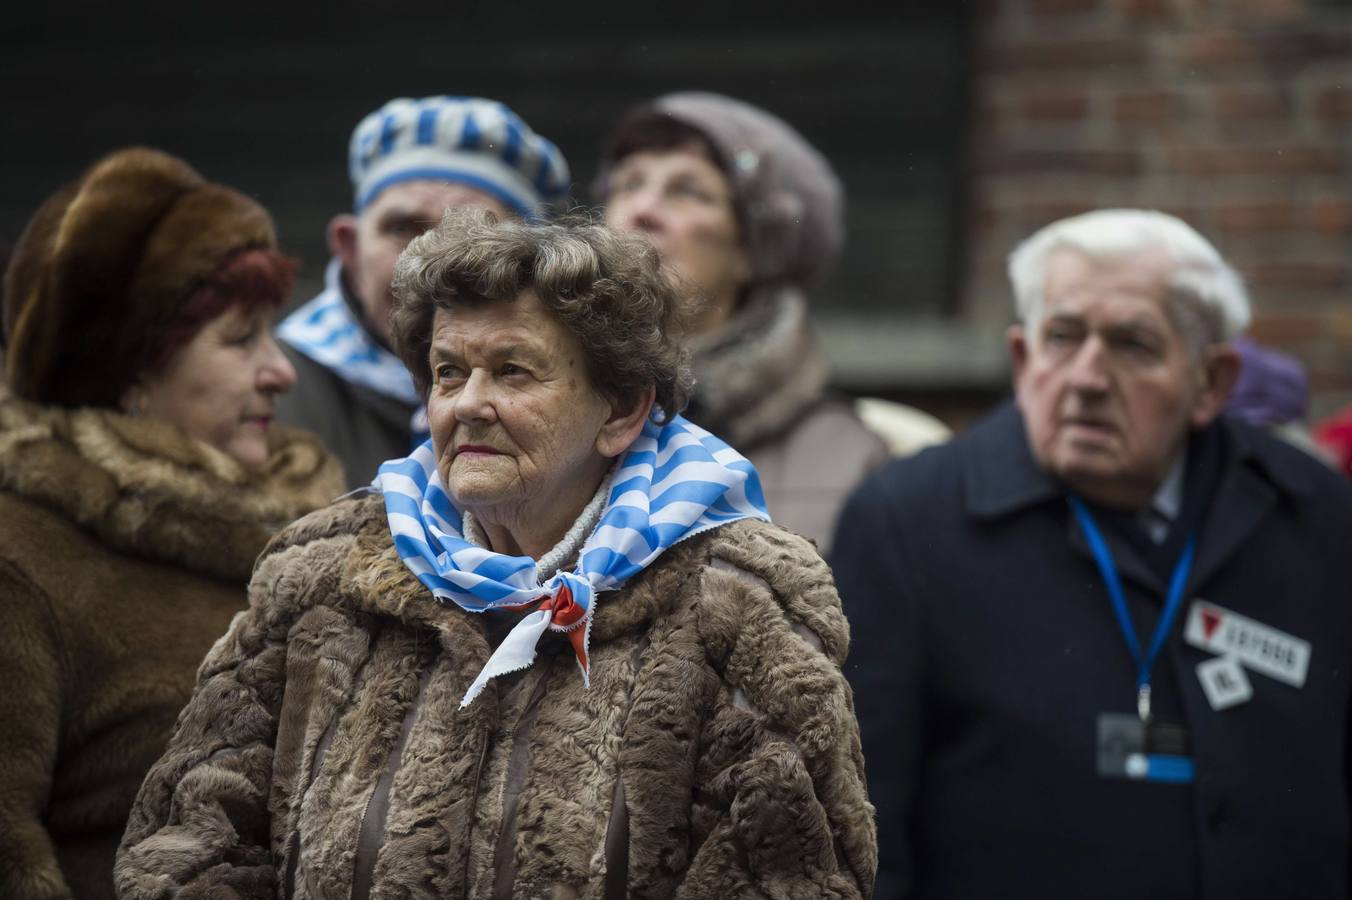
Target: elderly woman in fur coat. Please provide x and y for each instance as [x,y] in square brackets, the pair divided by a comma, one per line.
[559,652]
[139,479]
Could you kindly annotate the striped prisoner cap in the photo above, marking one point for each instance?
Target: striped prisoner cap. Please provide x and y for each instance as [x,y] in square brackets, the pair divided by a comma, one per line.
[467,140]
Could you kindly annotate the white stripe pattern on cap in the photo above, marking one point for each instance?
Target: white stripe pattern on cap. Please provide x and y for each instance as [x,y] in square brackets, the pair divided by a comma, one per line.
[676,480]
[468,140]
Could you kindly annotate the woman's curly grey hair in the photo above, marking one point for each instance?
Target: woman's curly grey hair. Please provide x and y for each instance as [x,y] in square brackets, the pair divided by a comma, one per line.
[606,288]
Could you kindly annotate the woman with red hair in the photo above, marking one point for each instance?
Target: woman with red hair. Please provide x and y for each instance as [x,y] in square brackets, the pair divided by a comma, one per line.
[140,475]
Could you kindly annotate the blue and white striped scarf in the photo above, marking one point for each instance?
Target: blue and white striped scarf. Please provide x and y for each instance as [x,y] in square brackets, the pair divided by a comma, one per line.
[326,331]
[675,481]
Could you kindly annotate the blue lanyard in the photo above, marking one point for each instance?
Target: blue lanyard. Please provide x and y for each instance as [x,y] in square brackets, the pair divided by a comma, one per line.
[1177,582]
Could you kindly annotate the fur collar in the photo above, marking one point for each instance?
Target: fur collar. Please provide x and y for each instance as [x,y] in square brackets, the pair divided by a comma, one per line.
[767,343]
[380,583]
[351,539]
[148,489]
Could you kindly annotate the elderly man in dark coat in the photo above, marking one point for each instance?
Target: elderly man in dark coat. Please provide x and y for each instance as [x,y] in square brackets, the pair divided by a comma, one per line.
[1102,642]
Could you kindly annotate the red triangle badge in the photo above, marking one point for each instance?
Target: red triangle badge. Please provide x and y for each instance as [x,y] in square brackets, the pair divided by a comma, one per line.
[1211,620]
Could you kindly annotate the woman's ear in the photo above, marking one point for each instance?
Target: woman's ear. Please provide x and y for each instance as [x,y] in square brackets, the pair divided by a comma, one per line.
[624,424]
[133,400]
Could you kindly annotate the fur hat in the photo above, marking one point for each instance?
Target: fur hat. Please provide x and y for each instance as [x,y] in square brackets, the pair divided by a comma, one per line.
[788,199]
[105,264]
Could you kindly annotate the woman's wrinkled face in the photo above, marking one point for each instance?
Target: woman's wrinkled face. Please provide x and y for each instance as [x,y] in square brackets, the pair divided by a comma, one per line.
[683,204]
[222,386]
[514,418]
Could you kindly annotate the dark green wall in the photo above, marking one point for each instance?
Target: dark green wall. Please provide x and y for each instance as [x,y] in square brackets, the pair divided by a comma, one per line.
[264,98]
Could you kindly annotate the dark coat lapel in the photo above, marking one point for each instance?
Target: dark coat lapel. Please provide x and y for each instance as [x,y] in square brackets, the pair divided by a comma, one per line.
[1257,475]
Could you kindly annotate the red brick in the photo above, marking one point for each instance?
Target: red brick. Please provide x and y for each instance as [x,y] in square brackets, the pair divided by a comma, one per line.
[1053,106]
[1148,10]
[1332,215]
[1334,104]
[1258,216]
[1269,10]
[1303,47]
[1299,275]
[1038,211]
[1217,47]
[1152,107]
[1329,379]
[1241,104]
[1298,159]
[1340,327]
[1278,329]
[1061,161]
[1190,214]
[1060,54]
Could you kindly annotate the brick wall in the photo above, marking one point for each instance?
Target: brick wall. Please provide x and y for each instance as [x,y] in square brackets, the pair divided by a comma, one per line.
[1234,114]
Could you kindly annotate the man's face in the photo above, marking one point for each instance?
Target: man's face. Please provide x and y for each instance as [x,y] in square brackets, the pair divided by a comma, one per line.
[369,244]
[1105,381]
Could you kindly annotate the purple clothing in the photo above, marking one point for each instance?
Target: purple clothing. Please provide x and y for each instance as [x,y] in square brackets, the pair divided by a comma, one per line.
[1272,388]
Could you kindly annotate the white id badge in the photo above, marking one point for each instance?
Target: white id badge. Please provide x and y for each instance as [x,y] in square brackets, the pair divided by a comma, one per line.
[1262,648]
[1224,682]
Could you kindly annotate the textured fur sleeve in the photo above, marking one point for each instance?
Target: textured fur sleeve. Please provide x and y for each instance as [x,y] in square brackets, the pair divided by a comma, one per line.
[30,711]
[783,810]
[200,825]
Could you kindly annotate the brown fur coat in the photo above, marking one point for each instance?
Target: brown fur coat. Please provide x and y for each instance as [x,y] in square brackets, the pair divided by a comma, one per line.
[324,753]
[125,548]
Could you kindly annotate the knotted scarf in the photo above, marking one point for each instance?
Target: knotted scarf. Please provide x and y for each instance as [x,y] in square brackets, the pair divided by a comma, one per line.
[675,481]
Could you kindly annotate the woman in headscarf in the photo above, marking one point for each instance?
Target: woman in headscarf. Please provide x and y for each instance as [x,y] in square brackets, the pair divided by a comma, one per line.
[139,479]
[749,216]
[560,653]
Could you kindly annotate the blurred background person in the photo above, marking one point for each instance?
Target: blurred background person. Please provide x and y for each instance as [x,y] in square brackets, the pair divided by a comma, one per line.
[140,476]
[409,162]
[1101,643]
[1333,435]
[748,216]
[558,653]
[1273,392]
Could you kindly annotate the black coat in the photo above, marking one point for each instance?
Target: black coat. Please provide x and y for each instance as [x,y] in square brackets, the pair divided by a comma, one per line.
[985,647]
[359,426]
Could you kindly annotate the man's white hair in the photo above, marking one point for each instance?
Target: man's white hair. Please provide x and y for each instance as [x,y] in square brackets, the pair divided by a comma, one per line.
[1210,290]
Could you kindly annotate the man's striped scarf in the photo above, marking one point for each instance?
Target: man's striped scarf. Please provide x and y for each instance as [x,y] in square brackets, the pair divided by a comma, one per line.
[675,481]
[326,331]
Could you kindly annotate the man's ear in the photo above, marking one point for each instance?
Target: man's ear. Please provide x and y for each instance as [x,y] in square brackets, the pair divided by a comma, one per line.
[342,235]
[1218,371]
[624,424]
[1016,339]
